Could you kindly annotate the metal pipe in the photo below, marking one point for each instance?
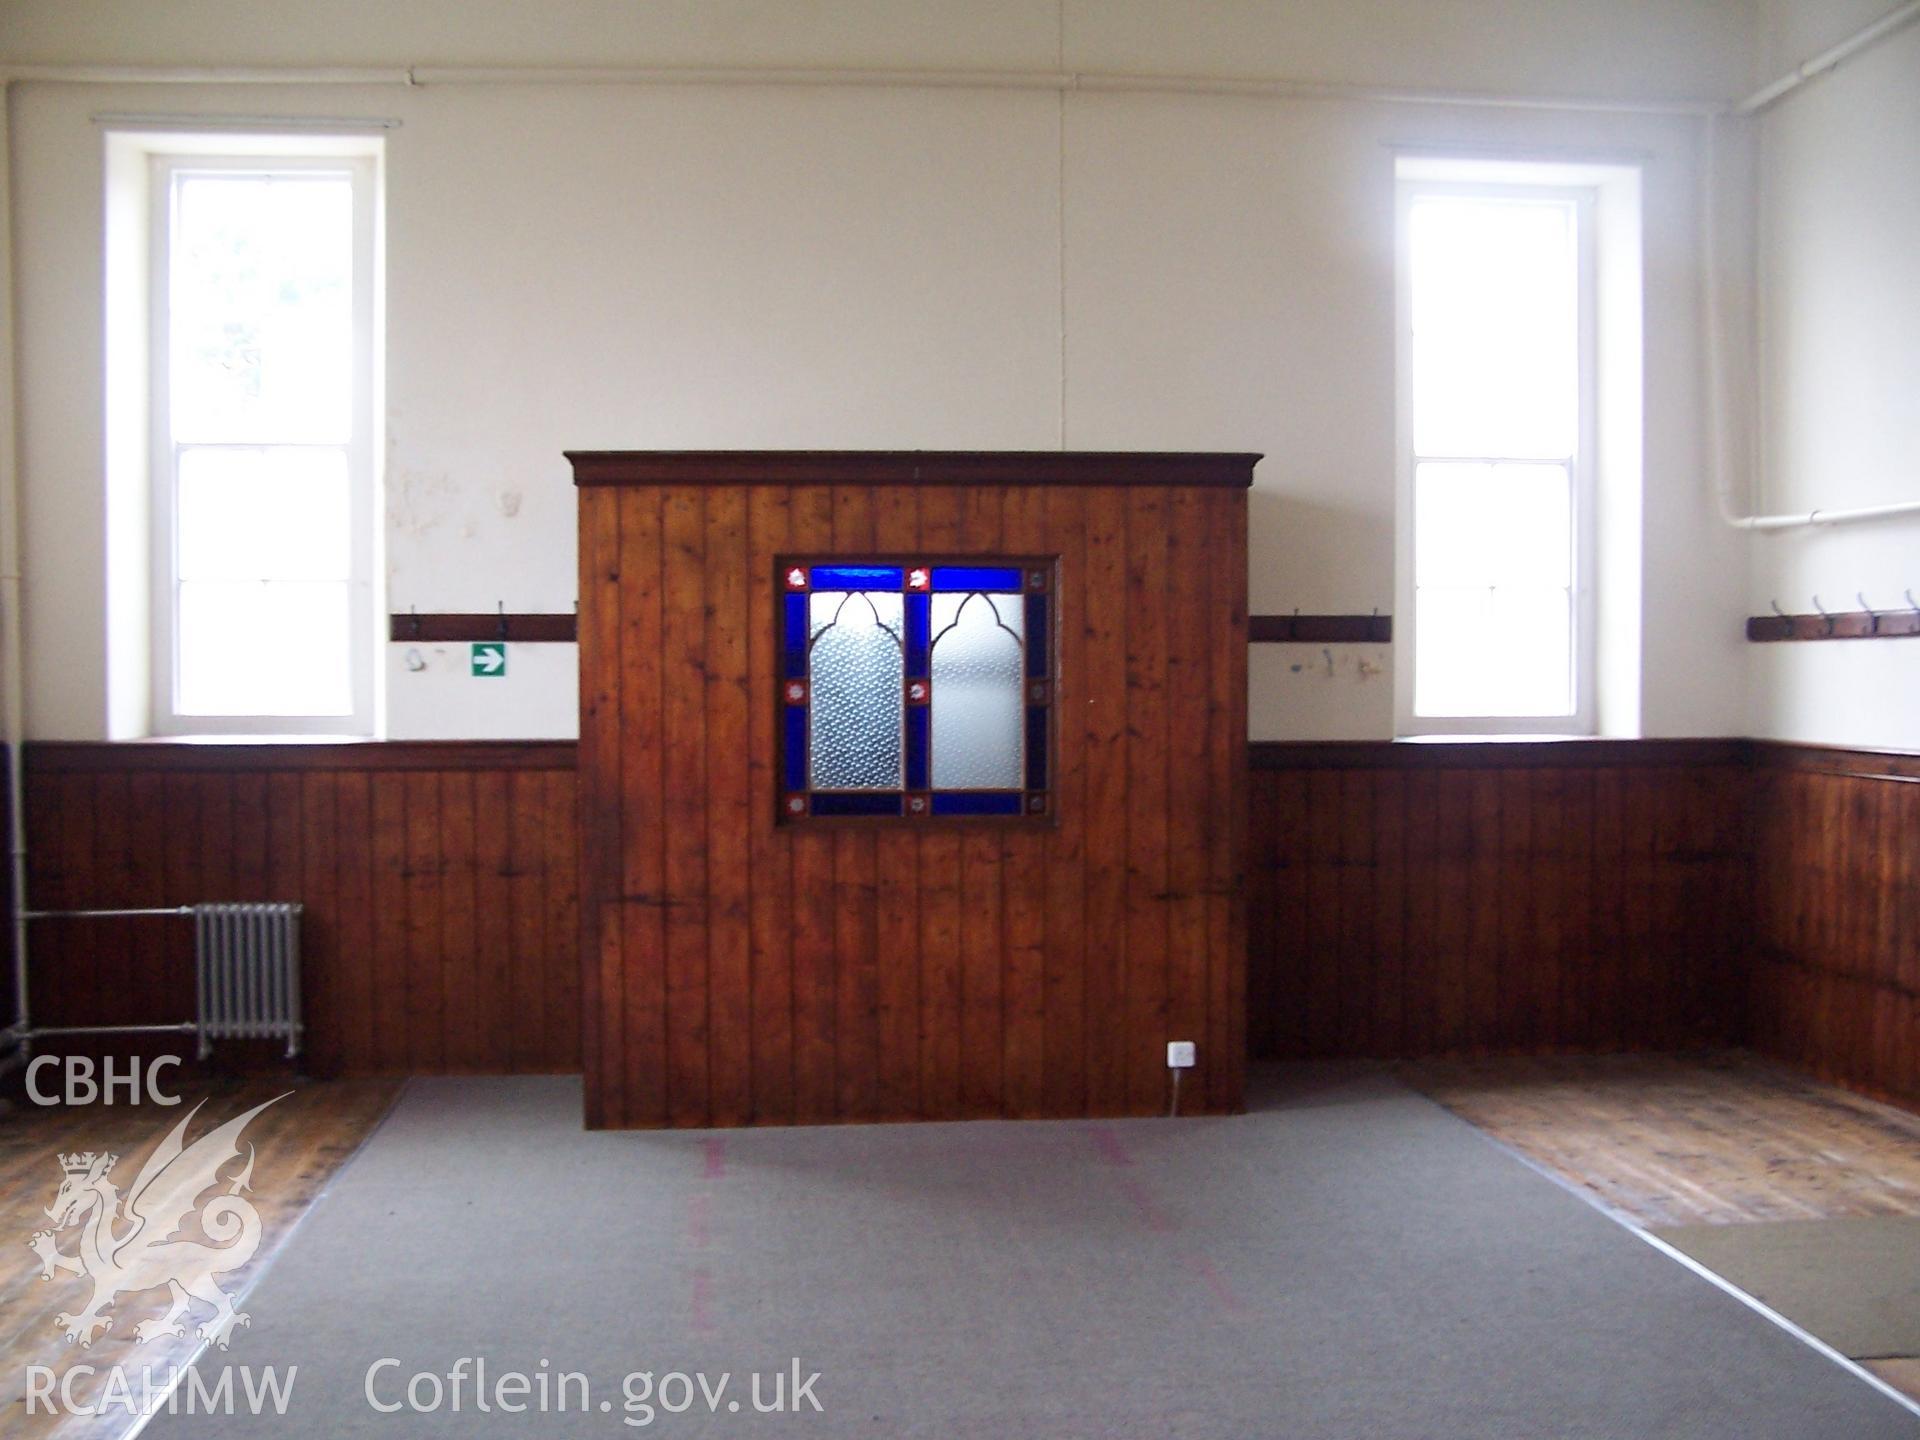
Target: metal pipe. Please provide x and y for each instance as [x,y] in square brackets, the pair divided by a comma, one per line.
[1827,59]
[116,914]
[12,666]
[185,1026]
[1796,520]
[841,77]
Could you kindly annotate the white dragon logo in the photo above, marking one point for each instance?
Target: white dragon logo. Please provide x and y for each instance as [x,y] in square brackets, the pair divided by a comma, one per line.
[127,1246]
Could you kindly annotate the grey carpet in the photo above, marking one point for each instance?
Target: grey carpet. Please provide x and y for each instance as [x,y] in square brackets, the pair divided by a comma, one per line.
[1350,1260]
[1855,1283]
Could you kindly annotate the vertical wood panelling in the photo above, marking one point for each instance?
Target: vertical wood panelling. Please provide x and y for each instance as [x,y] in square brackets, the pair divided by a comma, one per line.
[1148,739]
[982,894]
[1779,904]
[597,933]
[425,944]
[729,798]
[631,941]
[1104,738]
[1023,857]
[856,1024]
[939,971]
[683,631]
[811,867]
[770,978]
[459,958]
[941,993]
[896,530]
[1421,905]
[1835,901]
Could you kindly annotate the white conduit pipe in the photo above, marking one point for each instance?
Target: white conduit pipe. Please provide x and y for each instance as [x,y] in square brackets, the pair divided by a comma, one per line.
[12,666]
[1093,82]
[1827,59]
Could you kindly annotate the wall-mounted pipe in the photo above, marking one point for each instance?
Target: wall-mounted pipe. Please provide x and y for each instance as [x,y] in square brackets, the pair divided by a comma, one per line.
[12,665]
[1767,95]
[1092,82]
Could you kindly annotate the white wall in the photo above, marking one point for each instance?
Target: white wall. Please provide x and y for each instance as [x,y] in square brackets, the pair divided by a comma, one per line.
[1839,281]
[721,266]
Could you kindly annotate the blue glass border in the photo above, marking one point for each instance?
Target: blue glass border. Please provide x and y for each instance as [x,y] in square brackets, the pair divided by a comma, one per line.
[978,802]
[1036,747]
[917,747]
[919,637]
[796,746]
[977,577]
[796,635]
[856,577]
[1037,637]
[854,802]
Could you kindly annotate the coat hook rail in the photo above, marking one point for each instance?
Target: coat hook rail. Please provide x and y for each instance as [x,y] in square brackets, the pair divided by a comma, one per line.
[1298,629]
[1866,623]
[499,624]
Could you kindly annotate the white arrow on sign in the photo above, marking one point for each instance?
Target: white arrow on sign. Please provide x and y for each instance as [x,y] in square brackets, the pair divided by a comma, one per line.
[489,661]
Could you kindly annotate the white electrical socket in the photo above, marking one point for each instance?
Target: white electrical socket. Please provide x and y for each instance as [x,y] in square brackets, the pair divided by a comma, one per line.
[1180,1054]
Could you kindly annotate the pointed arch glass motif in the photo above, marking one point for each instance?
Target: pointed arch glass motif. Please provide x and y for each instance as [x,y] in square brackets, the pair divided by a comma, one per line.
[916,688]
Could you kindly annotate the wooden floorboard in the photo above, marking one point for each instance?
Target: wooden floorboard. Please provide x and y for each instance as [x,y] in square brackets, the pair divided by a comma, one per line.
[1708,1140]
[1716,1139]
[298,1144]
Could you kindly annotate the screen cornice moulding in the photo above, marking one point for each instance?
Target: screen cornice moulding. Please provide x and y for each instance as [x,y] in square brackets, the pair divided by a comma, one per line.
[911,467]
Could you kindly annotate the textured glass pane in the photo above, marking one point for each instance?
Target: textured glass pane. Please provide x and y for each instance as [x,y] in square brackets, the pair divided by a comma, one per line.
[260,308]
[978,702]
[264,515]
[253,648]
[857,673]
[1495,326]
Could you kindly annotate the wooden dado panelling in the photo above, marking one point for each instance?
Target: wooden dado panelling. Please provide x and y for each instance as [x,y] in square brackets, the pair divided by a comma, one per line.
[1405,900]
[745,972]
[438,880]
[1836,915]
[1416,899]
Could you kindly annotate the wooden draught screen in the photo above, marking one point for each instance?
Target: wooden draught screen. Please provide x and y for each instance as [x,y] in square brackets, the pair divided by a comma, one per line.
[737,972]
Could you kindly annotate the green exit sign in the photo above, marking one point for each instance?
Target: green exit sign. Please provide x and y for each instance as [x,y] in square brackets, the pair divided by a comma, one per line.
[490,658]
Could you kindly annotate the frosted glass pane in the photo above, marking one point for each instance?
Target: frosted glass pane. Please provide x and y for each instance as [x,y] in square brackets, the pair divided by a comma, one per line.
[977,704]
[260,308]
[1493,525]
[1505,651]
[264,515]
[1495,301]
[253,648]
[856,671]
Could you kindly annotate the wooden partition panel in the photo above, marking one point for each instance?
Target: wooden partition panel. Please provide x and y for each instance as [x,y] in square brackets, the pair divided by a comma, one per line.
[438,880]
[1417,899]
[737,971]
[1836,915]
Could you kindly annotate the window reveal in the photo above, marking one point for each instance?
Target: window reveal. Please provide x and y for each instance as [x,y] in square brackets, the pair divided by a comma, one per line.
[916,689]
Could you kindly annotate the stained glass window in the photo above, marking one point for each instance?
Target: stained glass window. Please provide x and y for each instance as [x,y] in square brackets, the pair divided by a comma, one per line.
[916,688]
